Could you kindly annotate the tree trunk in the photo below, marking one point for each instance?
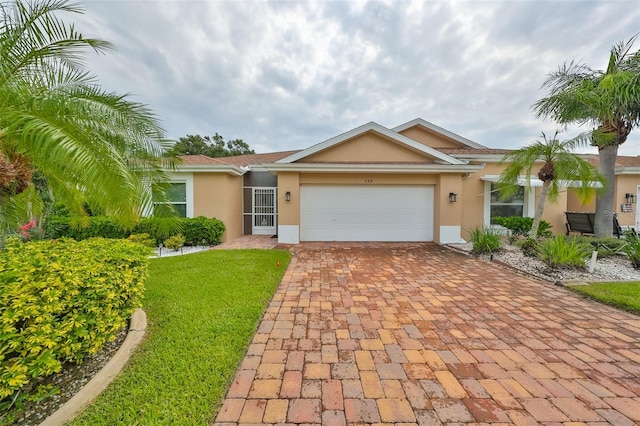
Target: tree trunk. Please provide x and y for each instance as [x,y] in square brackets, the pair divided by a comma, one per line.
[539,209]
[605,198]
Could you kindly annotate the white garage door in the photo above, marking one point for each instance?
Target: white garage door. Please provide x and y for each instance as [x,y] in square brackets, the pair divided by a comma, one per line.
[366,213]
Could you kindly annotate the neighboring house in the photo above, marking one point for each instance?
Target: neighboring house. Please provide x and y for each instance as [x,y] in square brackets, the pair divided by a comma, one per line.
[415,182]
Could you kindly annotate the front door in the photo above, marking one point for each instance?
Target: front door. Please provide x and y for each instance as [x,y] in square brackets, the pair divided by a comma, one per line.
[264,211]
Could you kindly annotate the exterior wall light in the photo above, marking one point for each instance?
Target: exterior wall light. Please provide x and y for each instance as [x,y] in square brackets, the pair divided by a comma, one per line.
[630,198]
[453,197]
[287,196]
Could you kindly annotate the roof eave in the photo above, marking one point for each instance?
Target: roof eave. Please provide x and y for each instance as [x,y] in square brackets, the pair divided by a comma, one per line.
[490,158]
[203,168]
[635,170]
[373,168]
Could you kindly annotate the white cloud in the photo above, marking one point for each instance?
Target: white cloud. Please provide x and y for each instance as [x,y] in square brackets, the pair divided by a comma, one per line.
[288,74]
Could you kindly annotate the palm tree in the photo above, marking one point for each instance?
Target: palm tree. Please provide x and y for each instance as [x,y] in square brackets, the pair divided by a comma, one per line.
[608,100]
[91,146]
[560,167]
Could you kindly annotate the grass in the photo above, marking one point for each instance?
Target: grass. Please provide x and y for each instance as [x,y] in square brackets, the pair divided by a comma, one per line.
[202,311]
[624,295]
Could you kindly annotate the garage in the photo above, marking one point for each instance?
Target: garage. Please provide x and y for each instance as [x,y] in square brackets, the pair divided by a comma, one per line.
[366,213]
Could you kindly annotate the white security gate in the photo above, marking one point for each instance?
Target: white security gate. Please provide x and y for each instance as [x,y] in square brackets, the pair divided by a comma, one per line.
[637,227]
[366,213]
[264,211]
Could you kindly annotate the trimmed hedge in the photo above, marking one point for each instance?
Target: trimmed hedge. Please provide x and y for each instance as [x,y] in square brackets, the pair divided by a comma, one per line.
[195,230]
[63,300]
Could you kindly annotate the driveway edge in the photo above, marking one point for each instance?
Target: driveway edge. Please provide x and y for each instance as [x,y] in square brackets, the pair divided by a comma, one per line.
[104,377]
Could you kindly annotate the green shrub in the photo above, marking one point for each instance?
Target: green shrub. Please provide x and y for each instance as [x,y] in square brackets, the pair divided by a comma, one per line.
[174,242]
[98,226]
[564,251]
[608,247]
[159,228]
[57,227]
[529,247]
[632,249]
[201,229]
[62,300]
[485,241]
[519,225]
[195,230]
[143,239]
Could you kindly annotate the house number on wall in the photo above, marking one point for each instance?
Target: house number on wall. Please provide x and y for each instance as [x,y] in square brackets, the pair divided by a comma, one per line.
[368,181]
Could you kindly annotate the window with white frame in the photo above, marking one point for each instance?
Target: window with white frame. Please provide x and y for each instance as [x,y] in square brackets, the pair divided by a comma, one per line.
[177,196]
[511,206]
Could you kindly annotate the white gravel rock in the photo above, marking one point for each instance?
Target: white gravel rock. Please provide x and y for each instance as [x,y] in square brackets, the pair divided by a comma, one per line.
[614,268]
[184,250]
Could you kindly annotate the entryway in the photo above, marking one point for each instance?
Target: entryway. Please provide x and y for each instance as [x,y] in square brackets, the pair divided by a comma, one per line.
[264,211]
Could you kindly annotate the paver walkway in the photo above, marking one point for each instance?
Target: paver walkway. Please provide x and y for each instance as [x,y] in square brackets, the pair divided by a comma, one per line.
[418,334]
[249,242]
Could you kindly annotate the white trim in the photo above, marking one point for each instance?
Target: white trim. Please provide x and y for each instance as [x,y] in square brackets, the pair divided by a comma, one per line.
[522,181]
[627,171]
[201,168]
[371,126]
[438,129]
[373,168]
[489,158]
[535,182]
[529,203]
[288,234]
[186,178]
[637,227]
[528,207]
[451,235]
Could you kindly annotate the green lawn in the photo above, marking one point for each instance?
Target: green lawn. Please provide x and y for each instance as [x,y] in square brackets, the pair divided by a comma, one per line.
[202,311]
[624,295]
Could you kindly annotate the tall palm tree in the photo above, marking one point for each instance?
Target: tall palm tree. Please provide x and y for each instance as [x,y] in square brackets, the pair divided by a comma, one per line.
[608,100]
[93,147]
[559,167]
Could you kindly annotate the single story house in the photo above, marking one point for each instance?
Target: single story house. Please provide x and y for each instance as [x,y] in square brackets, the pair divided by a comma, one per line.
[414,182]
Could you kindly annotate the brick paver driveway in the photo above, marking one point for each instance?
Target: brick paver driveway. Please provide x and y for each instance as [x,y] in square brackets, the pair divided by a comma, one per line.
[417,334]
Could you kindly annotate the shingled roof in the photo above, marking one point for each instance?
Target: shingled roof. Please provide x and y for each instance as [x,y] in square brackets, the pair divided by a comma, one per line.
[199,160]
[236,160]
[621,161]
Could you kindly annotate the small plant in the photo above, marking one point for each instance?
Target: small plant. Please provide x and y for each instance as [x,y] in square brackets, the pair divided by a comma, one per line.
[564,251]
[632,249]
[174,242]
[529,247]
[608,247]
[519,225]
[485,241]
[144,239]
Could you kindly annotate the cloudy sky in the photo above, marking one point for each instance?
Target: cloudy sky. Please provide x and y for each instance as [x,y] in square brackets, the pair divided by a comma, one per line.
[288,74]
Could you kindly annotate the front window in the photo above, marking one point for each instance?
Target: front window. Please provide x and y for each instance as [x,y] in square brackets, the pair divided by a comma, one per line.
[177,195]
[512,206]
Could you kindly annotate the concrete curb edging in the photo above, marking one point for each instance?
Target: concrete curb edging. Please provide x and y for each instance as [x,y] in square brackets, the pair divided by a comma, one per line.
[101,380]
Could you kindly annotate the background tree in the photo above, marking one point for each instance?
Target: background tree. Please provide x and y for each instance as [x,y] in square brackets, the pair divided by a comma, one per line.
[91,147]
[559,166]
[608,100]
[212,146]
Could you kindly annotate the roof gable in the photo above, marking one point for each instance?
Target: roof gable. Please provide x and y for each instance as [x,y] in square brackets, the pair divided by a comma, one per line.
[371,128]
[369,147]
[434,136]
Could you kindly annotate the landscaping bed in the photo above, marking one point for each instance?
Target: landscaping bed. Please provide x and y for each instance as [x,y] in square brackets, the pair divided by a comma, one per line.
[612,268]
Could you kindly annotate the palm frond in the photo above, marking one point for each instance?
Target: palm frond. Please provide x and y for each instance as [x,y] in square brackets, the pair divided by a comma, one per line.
[93,146]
